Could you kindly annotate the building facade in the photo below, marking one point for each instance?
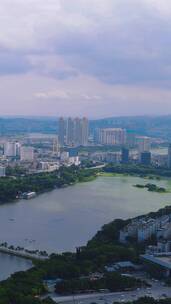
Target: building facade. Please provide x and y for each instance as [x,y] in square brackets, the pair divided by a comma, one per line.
[125,156]
[27,154]
[143,143]
[61,131]
[145,158]
[112,136]
[11,149]
[73,131]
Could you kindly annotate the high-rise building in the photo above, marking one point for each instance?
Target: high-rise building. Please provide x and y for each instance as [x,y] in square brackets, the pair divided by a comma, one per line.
[77,132]
[169,156]
[18,147]
[144,144]
[61,131]
[81,131]
[84,131]
[125,155]
[27,153]
[56,146]
[10,149]
[70,129]
[131,139]
[112,136]
[146,158]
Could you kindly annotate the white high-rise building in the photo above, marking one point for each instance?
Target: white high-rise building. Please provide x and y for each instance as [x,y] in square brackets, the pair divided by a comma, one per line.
[112,136]
[27,154]
[10,149]
[84,131]
[18,147]
[81,131]
[70,128]
[77,132]
[61,131]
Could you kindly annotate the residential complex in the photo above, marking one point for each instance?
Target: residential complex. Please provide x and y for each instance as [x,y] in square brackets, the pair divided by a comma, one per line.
[27,153]
[11,148]
[61,131]
[73,131]
[144,143]
[111,136]
[142,229]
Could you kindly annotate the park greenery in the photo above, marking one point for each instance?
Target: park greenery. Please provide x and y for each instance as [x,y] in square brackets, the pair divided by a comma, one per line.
[138,170]
[110,282]
[17,182]
[13,186]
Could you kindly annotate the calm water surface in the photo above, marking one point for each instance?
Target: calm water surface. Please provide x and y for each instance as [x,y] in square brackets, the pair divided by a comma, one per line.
[10,264]
[65,218]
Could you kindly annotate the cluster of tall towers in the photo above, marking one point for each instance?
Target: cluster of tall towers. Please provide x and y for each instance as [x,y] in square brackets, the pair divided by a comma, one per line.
[73,131]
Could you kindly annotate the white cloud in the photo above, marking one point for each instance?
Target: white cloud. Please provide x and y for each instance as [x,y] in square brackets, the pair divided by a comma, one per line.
[112,55]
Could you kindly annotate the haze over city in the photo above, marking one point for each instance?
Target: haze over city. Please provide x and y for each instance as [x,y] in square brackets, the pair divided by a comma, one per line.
[93,58]
[85,151]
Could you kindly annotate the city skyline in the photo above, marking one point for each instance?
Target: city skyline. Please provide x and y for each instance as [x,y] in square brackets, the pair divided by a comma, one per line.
[73,131]
[89,58]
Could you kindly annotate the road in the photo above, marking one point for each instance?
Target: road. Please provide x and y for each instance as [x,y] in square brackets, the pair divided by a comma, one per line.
[96,167]
[157,291]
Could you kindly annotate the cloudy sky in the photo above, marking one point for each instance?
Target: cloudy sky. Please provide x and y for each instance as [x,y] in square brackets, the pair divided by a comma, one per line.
[85,57]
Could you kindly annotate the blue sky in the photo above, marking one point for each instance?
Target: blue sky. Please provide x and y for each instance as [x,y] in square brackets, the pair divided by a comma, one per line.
[85,57]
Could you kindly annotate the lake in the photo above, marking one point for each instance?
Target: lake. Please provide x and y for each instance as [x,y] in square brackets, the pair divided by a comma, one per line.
[65,218]
[10,264]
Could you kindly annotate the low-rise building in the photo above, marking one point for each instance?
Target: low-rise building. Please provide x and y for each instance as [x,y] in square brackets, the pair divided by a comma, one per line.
[108,157]
[74,160]
[143,229]
[158,265]
[64,156]
[48,166]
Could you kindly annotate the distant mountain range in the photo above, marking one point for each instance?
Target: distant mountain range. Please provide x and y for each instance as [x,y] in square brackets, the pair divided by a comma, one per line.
[155,126]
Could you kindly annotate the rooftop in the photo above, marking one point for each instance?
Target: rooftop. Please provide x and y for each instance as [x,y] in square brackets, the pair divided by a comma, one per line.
[164,261]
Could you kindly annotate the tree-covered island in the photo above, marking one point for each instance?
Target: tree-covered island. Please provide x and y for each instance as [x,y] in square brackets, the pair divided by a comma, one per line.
[151,187]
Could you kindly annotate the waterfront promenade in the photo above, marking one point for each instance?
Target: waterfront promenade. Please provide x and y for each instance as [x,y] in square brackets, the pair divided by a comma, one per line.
[22,254]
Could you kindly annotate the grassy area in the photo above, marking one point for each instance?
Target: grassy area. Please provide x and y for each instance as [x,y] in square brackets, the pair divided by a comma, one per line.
[110,174]
[88,179]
